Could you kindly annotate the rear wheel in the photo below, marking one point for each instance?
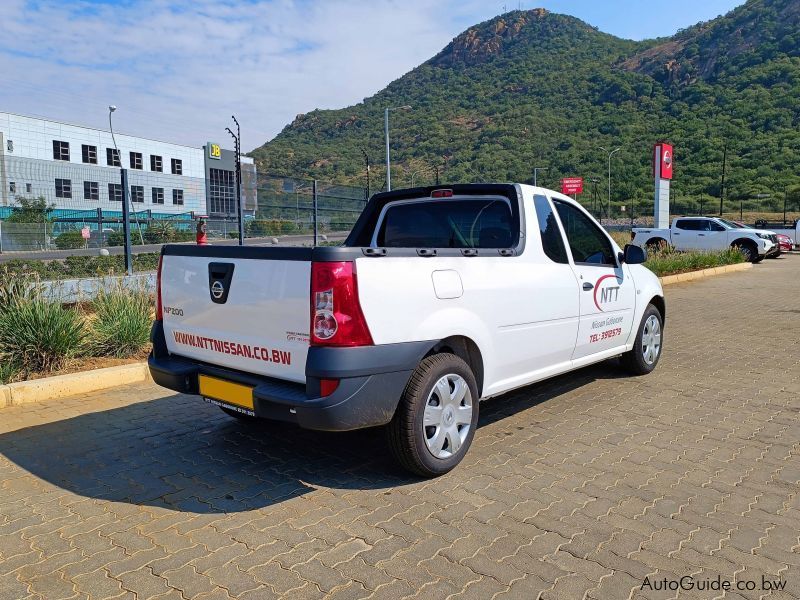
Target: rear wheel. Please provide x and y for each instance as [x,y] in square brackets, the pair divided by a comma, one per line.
[655,244]
[643,358]
[436,418]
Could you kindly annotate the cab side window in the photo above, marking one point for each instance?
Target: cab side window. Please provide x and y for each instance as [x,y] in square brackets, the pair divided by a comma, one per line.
[588,244]
[689,224]
[713,226]
[552,242]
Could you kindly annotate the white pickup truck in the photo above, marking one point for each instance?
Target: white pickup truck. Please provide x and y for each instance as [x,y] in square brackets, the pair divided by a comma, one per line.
[709,233]
[439,298]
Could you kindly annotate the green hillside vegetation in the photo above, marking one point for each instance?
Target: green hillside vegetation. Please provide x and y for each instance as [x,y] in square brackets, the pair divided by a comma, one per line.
[533,88]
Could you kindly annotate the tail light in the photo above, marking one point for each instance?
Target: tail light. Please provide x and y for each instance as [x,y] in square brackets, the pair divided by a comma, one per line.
[336,316]
[442,194]
[633,235]
[159,312]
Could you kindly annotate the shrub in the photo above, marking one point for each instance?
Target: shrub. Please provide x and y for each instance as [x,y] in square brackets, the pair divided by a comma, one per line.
[69,240]
[8,372]
[39,334]
[115,238]
[121,323]
[16,289]
[159,232]
[667,261]
[76,266]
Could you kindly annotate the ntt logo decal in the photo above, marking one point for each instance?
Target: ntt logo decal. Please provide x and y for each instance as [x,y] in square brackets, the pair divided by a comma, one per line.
[608,293]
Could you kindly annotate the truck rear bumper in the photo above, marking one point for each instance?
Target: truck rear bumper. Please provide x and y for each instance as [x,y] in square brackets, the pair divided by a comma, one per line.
[371,381]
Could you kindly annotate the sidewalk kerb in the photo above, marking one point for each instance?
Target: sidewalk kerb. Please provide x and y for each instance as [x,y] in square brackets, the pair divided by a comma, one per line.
[711,272]
[53,388]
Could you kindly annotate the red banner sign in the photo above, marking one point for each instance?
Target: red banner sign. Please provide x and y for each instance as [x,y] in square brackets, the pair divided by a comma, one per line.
[663,160]
[572,185]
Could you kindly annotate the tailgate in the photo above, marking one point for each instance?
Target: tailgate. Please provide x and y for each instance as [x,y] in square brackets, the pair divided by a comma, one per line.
[242,308]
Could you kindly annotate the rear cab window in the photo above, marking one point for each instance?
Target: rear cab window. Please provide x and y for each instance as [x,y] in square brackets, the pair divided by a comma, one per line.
[690,224]
[467,222]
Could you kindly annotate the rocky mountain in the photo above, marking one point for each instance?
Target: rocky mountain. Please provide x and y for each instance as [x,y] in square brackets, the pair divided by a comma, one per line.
[537,89]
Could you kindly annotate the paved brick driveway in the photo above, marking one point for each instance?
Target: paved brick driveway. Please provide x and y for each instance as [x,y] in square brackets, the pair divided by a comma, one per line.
[579,487]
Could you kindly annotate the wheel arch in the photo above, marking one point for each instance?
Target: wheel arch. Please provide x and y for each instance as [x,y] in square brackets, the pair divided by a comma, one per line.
[466,349]
[658,302]
[744,242]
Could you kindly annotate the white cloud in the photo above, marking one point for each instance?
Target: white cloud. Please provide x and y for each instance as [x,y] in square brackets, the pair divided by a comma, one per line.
[178,70]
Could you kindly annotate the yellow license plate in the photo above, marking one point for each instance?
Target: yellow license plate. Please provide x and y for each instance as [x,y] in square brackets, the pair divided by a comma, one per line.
[225,391]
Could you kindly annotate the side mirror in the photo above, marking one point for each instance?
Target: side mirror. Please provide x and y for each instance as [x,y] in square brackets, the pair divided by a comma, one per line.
[634,255]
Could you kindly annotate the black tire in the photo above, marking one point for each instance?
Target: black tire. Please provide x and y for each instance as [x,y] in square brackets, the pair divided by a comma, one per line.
[634,360]
[757,260]
[749,251]
[407,434]
[655,244]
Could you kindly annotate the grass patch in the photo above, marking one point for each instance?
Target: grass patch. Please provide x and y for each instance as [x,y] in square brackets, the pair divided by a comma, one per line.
[668,261]
[39,335]
[671,262]
[8,372]
[120,325]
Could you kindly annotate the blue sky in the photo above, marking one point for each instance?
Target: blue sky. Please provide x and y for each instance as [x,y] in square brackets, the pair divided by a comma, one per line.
[177,69]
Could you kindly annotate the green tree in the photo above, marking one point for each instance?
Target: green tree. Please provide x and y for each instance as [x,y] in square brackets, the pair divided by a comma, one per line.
[31,210]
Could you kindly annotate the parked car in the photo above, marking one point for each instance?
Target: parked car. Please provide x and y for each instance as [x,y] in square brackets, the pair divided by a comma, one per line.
[759,226]
[439,298]
[708,233]
[785,242]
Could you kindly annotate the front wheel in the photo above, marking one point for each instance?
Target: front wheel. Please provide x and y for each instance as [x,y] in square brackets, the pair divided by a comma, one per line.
[436,418]
[749,252]
[643,358]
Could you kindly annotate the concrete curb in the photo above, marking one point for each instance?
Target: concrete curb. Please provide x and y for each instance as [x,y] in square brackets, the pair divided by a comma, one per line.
[693,275]
[52,388]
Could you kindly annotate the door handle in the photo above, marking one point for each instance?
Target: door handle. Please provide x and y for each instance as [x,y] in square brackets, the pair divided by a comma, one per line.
[701,234]
[587,286]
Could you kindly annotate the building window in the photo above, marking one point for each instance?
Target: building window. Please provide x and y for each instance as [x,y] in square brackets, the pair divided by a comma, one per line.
[221,192]
[112,157]
[63,188]
[156,163]
[89,154]
[91,190]
[12,187]
[136,160]
[115,192]
[177,166]
[177,197]
[158,195]
[28,188]
[137,193]
[60,150]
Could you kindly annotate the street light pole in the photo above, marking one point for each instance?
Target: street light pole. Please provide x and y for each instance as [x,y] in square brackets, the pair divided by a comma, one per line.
[536,172]
[126,220]
[366,160]
[386,133]
[610,154]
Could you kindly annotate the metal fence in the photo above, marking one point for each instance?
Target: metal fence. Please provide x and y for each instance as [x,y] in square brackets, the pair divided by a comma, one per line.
[639,212]
[292,205]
